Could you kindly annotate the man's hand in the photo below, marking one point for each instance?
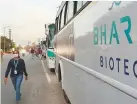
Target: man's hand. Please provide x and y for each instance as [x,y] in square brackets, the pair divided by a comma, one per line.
[26,77]
[5,80]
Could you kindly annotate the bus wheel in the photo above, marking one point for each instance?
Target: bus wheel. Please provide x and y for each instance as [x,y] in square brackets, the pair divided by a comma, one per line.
[52,69]
[66,97]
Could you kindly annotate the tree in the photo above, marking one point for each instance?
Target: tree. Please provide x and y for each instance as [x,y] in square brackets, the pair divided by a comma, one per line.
[6,43]
[19,47]
[13,45]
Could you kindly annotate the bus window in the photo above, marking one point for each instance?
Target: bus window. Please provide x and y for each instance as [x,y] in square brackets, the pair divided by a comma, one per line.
[84,2]
[56,28]
[65,13]
[79,4]
[59,23]
[70,10]
[62,17]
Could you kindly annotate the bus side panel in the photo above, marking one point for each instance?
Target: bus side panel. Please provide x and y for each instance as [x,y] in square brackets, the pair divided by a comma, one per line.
[107,42]
[83,88]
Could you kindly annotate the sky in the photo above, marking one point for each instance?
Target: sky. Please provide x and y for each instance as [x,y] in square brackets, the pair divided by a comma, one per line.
[26,18]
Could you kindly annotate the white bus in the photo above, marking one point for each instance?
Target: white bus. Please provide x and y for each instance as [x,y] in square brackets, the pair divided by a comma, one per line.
[96,51]
[47,46]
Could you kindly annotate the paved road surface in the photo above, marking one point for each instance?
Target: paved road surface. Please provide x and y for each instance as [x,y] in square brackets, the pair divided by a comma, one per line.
[41,88]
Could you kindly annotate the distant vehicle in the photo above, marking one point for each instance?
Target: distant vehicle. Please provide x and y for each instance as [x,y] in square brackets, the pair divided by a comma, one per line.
[50,59]
[23,52]
[47,47]
[96,51]
[43,47]
[50,56]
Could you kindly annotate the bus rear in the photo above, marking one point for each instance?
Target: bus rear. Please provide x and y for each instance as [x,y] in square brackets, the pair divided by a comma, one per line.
[51,59]
[50,56]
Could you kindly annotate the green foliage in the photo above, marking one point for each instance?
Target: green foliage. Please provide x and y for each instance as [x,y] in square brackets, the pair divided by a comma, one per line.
[13,45]
[8,43]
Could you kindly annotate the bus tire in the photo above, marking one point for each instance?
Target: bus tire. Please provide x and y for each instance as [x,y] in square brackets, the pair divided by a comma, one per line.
[52,69]
[66,97]
[45,57]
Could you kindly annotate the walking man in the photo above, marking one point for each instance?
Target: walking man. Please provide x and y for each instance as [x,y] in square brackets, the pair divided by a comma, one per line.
[1,53]
[32,52]
[16,67]
[40,53]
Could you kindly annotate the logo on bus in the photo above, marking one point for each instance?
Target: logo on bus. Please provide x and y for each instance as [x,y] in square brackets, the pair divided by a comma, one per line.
[102,36]
[116,3]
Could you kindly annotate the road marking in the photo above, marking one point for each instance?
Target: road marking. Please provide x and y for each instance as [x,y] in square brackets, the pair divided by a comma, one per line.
[45,71]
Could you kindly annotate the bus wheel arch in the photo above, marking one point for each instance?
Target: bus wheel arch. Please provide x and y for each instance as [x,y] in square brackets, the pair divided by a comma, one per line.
[60,76]
[59,73]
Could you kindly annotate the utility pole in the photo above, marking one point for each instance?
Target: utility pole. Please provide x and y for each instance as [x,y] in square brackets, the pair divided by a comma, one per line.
[10,34]
[10,44]
[4,40]
[5,36]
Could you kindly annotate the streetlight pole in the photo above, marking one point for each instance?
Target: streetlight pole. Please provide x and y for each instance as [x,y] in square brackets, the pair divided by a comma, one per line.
[10,44]
[5,36]
[4,40]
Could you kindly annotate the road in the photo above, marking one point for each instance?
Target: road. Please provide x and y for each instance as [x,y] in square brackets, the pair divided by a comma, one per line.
[40,88]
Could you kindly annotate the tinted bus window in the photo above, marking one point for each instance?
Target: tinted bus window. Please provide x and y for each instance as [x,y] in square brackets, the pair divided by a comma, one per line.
[62,17]
[79,4]
[56,28]
[84,2]
[70,9]
[59,23]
